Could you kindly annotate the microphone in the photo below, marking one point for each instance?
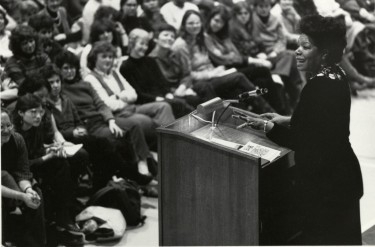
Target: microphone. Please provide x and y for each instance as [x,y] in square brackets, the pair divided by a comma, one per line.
[253,93]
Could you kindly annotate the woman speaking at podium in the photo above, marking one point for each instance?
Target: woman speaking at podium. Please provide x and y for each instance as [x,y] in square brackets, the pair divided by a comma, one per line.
[329,180]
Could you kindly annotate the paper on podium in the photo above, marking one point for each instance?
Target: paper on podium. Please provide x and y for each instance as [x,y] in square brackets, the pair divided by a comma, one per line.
[260,151]
[72,150]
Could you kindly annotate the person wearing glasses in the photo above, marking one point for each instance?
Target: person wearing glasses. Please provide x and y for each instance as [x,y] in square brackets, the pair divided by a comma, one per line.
[47,160]
[18,190]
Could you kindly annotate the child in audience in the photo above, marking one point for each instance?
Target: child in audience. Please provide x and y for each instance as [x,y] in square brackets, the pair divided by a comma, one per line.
[98,118]
[47,163]
[121,97]
[26,59]
[194,61]
[222,51]
[144,75]
[169,65]
[19,191]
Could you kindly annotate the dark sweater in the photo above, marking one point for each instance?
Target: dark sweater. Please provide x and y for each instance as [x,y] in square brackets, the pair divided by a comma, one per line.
[67,119]
[86,100]
[327,168]
[14,158]
[146,78]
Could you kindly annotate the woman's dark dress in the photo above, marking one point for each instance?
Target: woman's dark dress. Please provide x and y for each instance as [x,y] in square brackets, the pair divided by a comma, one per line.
[328,174]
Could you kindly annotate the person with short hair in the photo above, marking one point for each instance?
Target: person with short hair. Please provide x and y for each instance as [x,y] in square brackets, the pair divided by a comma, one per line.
[169,65]
[328,176]
[144,75]
[19,190]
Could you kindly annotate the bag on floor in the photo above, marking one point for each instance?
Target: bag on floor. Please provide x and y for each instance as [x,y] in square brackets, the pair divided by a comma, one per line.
[100,224]
[123,195]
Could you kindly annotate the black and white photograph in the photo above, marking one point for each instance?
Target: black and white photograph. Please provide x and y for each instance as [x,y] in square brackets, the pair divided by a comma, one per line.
[187,123]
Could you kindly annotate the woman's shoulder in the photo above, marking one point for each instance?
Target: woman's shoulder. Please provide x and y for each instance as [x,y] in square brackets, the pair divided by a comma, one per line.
[180,43]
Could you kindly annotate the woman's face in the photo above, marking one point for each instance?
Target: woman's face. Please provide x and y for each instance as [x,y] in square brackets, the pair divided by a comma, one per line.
[243,16]
[166,39]
[68,72]
[150,5]
[55,83]
[53,5]
[106,36]
[140,48]
[216,23]
[104,62]
[307,55]
[32,117]
[263,9]
[130,8]
[6,127]
[193,25]
[46,33]
[28,46]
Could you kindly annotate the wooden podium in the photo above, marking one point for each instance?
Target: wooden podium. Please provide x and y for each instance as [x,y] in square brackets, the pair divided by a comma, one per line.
[212,194]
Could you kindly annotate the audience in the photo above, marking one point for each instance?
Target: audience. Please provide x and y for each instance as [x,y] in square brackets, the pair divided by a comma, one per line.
[143,63]
[120,96]
[19,190]
[98,118]
[48,165]
[26,59]
[174,10]
[169,65]
[222,51]
[195,62]
[145,76]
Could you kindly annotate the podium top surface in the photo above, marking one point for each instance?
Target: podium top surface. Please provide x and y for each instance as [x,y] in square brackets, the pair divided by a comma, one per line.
[224,135]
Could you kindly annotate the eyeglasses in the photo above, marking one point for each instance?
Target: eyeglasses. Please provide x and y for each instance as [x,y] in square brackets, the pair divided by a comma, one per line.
[35,112]
[8,127]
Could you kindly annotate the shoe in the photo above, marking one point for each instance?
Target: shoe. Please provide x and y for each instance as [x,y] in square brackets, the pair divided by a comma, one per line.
[71,228]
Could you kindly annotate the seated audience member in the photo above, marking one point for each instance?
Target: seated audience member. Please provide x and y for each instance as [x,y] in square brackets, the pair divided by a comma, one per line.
[104,157]
[169,65]
[222,51]
[174,10]
[8,93]
[145,76]
[129,17]
[38,86]
[26,59]
[265,40]
[103,30]
[47,164]
[62,31]
[121,97]
[19,191]
[285,11]
[88,13]
[194,61]
[23,10]
[151,11]
[98,118]
[5,52]
[43,25]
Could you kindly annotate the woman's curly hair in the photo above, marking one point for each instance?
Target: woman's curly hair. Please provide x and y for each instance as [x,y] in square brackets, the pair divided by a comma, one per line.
[19,34]
[327,34]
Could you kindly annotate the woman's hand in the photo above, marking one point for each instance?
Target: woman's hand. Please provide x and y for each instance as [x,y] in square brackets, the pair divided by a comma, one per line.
[79,132]
[180,91]
[260,124]
[276,118]
[115,129]
[31,198]
[169,96]
[158,98]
